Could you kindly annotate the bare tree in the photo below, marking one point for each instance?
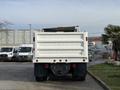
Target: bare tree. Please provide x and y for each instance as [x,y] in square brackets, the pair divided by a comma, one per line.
[4,24]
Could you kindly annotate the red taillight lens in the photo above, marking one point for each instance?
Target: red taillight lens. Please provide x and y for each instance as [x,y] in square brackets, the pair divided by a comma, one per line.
[73,65]
[46,65]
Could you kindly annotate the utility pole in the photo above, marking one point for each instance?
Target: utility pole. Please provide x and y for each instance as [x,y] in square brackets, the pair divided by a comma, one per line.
[30,27]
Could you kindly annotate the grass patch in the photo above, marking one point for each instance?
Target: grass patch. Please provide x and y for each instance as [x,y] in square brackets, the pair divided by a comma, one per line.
[109,74]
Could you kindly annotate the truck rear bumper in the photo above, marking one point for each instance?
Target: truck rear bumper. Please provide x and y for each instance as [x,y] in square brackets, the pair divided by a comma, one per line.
[61,60]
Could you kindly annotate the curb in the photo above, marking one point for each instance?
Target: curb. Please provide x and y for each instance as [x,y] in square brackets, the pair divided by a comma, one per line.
[100,82]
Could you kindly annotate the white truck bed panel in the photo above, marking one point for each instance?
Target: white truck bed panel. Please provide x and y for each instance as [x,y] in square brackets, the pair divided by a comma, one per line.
[60,46]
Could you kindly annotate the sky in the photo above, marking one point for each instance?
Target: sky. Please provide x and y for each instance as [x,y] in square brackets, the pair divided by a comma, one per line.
[91,15]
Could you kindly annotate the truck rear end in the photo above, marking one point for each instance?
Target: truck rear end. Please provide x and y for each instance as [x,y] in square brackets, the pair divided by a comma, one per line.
[60,53]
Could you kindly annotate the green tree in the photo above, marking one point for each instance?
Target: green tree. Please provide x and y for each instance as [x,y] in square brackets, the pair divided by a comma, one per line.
[112,33]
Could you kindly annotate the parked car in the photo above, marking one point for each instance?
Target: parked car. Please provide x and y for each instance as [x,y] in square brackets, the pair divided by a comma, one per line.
[6,53]
[91,52]
[101,50]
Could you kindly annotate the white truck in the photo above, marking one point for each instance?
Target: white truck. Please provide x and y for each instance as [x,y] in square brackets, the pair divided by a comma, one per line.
[60,53]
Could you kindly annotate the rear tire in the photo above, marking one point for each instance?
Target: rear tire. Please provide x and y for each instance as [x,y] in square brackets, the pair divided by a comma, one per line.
[79,73]
[40,72]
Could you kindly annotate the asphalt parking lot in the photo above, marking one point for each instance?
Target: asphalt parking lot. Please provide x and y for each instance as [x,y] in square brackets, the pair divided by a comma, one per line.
[19,76]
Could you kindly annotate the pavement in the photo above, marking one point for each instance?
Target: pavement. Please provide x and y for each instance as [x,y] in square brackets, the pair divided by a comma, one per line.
[19,76]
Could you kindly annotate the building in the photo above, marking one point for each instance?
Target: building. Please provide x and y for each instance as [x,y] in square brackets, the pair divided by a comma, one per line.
[95,40]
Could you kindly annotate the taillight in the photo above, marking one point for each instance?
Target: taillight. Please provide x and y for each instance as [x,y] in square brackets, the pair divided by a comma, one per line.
[73,65]
[46,65]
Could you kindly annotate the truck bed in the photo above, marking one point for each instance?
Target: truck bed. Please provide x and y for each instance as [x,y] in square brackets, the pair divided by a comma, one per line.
[60,47]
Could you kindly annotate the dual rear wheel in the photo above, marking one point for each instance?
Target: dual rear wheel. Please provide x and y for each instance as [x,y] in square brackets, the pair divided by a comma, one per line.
[78,73]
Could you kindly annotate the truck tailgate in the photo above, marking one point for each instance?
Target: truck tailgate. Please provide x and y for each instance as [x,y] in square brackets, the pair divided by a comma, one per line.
[60,47]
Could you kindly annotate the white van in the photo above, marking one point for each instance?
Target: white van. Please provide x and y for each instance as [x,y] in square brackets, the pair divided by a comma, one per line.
[6,53]
[25,52]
